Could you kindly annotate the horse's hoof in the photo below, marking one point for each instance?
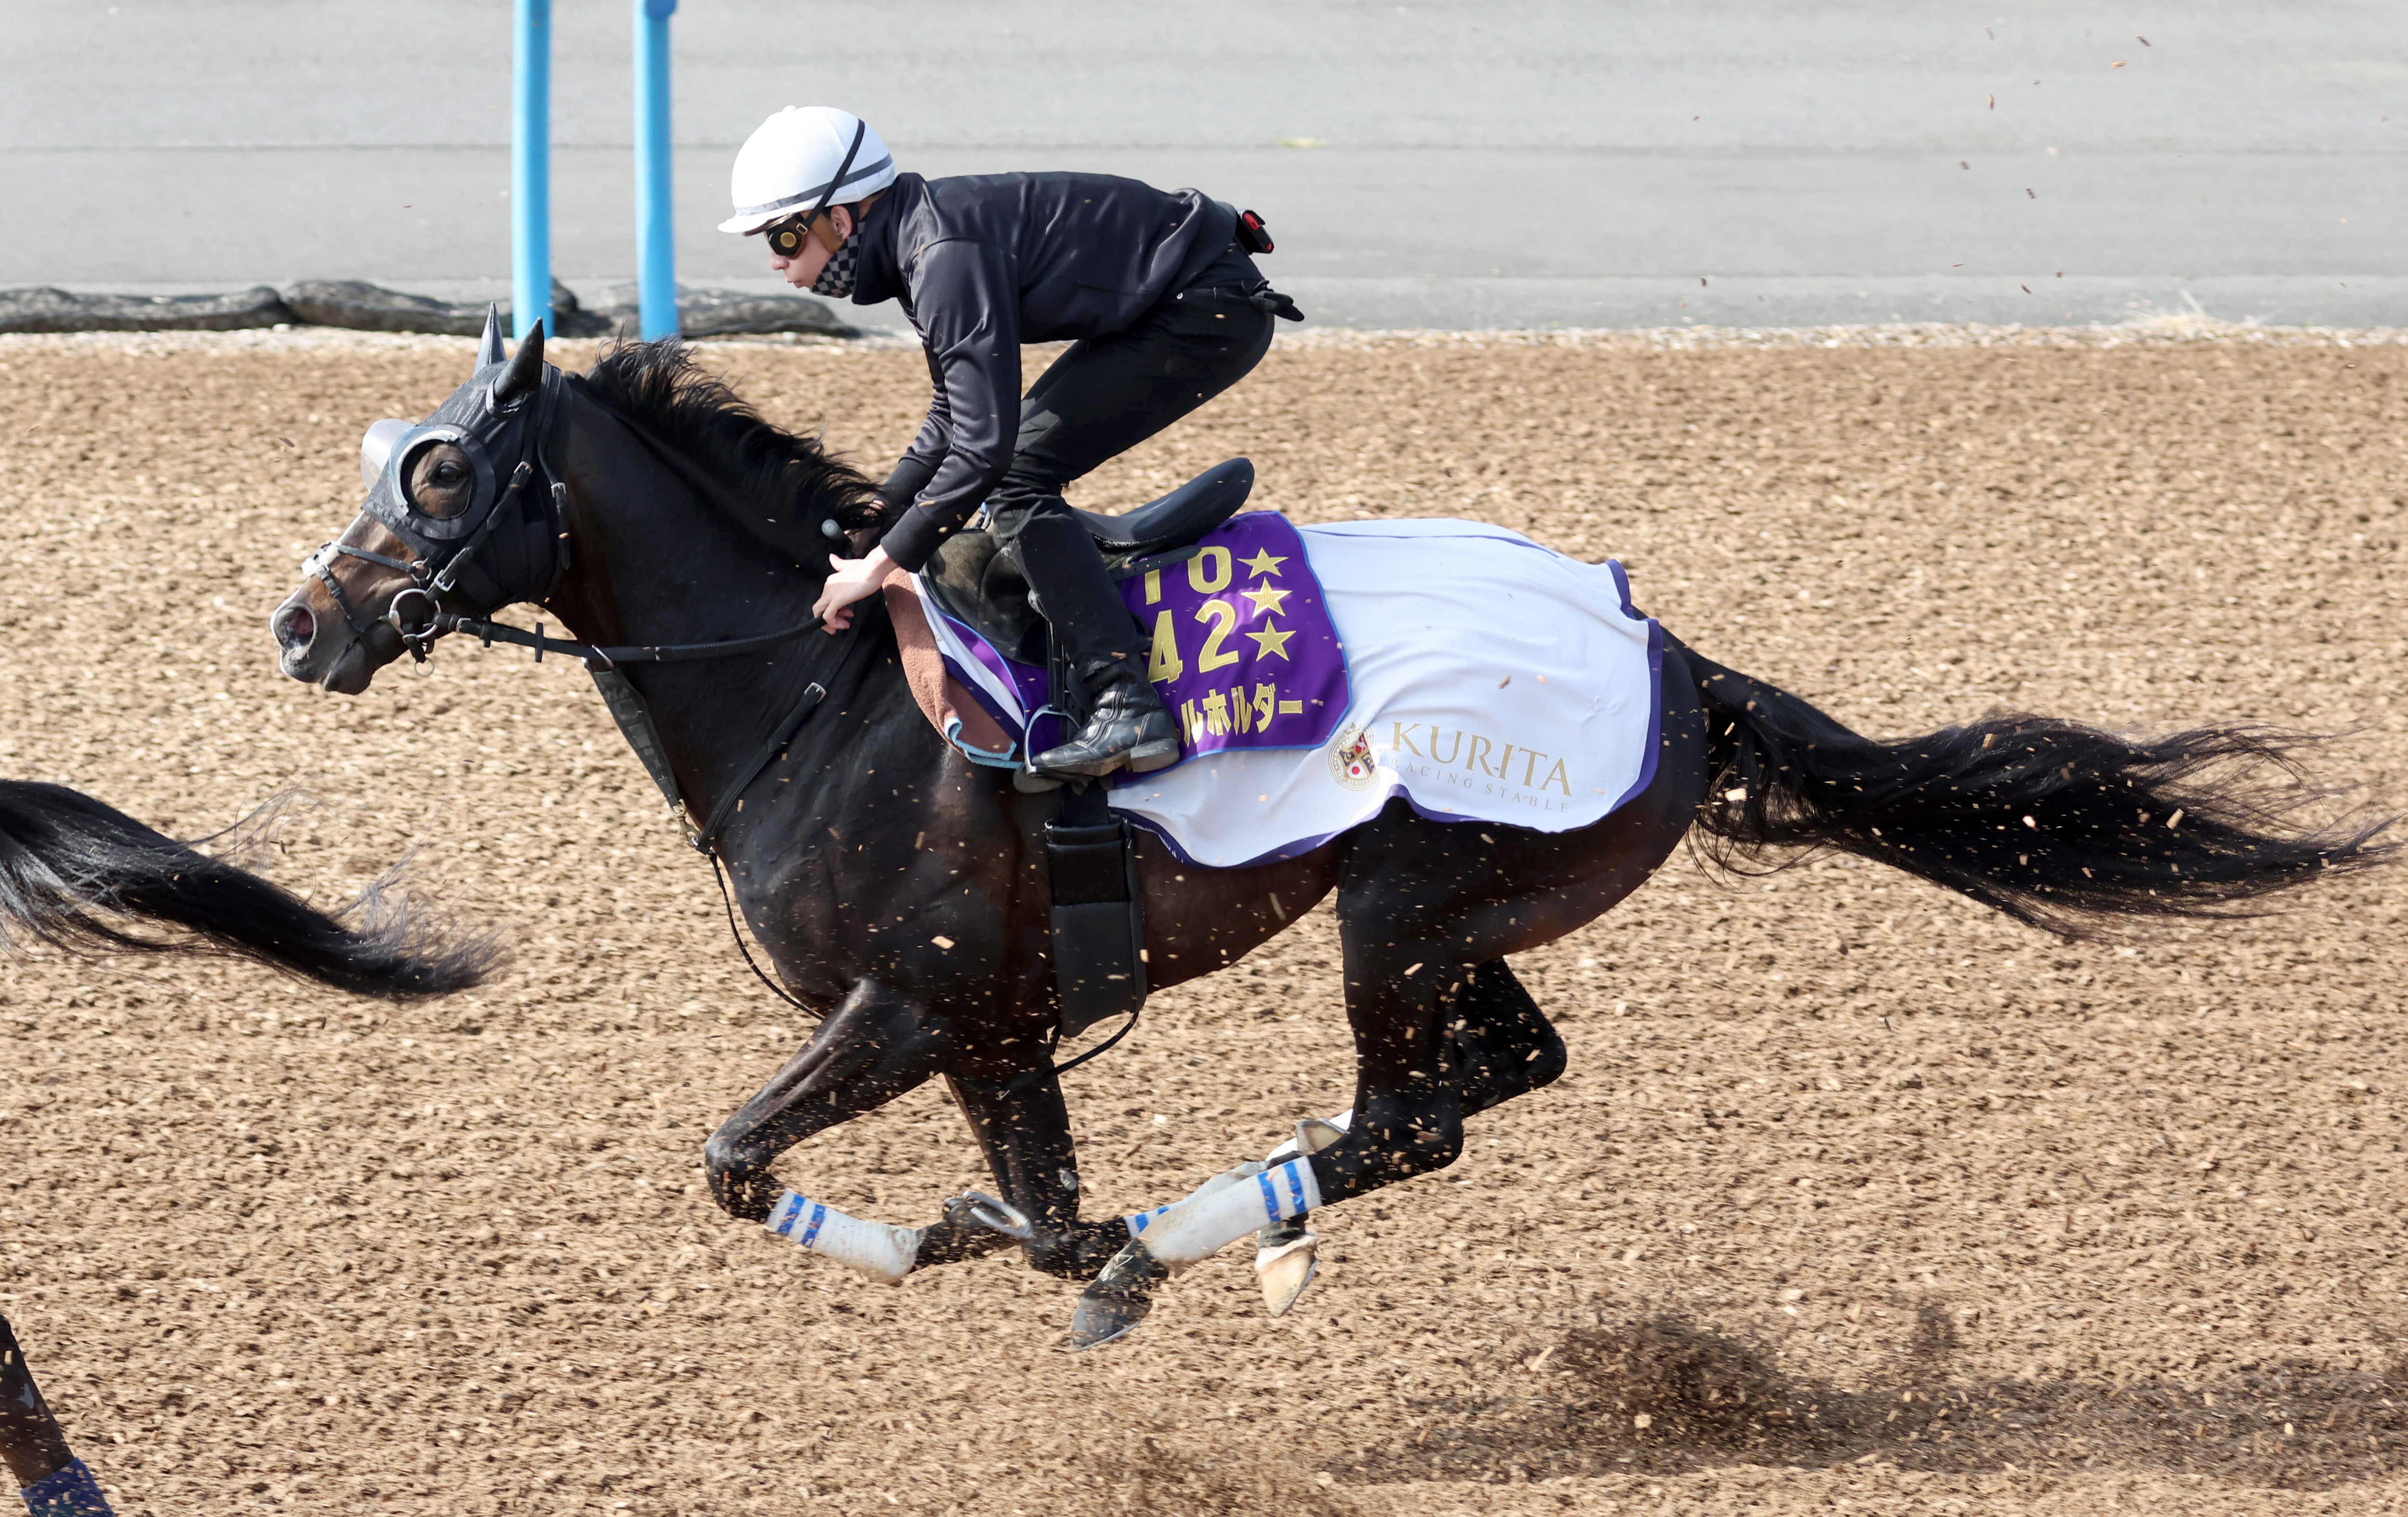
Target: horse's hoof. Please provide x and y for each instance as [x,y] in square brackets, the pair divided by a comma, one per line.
[1286,1271]
[977,1209]
[1118,1300]
[1105,1320]
[743,1191]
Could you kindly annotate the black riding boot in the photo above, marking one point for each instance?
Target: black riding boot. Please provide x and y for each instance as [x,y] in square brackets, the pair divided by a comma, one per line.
[1126,725]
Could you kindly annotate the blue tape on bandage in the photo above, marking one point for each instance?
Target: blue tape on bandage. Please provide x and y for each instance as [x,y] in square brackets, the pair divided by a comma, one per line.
[819,1215]
[69,1491]
[1295,1185]
[1271,1195]
[788,1209]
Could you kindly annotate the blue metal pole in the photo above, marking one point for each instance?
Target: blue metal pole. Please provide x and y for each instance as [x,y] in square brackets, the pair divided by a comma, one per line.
[531,168]
[656,222]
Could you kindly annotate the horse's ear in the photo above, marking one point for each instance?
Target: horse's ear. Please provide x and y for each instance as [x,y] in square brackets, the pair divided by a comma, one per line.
[489,347]
[525,371]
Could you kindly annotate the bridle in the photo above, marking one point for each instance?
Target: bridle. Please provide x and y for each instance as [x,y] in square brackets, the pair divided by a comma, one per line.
[456,557]
[512,544]
[453,558]
[462,557]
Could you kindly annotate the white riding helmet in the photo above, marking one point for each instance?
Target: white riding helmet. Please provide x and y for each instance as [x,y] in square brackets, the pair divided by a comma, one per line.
[796,160]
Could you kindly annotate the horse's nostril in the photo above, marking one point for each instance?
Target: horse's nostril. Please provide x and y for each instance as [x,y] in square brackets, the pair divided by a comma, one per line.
[295,626]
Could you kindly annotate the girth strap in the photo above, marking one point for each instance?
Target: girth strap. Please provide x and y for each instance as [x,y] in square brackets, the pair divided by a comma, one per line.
[1098,911]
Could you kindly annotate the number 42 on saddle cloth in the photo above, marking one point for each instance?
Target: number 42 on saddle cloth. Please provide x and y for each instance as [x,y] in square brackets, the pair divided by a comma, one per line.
[1318,672]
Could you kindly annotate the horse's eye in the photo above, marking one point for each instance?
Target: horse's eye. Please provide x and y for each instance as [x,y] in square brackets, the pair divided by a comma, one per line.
[447,472]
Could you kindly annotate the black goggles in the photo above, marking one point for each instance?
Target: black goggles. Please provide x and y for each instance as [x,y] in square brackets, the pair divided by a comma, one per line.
[787,239]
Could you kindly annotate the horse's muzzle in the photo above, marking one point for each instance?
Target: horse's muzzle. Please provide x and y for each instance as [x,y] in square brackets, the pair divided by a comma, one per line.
[316,648]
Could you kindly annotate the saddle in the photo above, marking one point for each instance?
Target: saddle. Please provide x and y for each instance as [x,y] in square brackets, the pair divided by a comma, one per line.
[1098,916]
[978,582]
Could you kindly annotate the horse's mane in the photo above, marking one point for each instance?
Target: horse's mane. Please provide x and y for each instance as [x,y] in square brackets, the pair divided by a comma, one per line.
[794,482]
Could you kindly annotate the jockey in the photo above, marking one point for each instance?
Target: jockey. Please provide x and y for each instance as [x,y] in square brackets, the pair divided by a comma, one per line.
[1155,291]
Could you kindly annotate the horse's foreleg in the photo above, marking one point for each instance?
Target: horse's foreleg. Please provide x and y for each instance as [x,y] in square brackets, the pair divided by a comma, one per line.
[871,1050]
[1025,1131]
[52,1479]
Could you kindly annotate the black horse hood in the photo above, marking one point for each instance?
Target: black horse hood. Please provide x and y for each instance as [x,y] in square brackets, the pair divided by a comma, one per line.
[500,549]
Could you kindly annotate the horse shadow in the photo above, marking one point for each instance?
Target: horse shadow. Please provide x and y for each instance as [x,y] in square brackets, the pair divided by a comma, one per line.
[1661,1395]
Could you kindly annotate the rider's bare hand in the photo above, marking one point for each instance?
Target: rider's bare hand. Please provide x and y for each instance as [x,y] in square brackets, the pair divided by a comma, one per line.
[850,580]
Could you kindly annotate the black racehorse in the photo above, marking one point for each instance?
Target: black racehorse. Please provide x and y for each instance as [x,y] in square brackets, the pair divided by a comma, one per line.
[81,876]
[903,895]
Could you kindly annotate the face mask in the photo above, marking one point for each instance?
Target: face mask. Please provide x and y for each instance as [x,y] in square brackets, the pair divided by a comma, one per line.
[499,543]
[835,281]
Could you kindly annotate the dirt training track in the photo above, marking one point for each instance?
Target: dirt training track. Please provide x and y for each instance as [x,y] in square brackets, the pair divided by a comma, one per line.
[1855,1195]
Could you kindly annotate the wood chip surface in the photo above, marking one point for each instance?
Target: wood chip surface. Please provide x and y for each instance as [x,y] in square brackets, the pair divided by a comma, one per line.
[1975,1219]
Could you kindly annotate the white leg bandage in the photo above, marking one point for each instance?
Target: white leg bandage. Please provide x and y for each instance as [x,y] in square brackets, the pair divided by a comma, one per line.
[1225,1208]
[882,1253]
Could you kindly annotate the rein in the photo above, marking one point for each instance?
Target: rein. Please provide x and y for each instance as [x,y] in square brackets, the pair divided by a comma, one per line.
[627,709]
[595,655]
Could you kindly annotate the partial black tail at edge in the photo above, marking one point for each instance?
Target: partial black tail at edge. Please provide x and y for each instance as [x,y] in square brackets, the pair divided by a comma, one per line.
[2055,823]
[69,866]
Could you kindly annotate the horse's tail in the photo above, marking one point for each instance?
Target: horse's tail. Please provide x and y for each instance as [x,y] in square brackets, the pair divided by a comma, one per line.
[2054,824]
[70,868]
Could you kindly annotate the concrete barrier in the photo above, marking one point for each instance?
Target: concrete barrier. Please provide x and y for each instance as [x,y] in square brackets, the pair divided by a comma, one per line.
[361,307]
[43,309]
[371,307]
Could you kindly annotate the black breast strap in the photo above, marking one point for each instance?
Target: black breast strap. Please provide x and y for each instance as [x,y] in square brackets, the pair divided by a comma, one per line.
[635,719]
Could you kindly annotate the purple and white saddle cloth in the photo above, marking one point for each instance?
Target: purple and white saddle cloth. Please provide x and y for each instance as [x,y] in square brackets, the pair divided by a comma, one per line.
[1318,671]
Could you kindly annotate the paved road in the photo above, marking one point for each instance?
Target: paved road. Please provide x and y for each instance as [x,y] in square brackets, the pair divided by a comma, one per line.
[1472,164]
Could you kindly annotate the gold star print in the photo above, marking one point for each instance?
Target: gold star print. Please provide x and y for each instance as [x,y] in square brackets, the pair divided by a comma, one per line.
[1271,641]
[1268,602]
[1263,562]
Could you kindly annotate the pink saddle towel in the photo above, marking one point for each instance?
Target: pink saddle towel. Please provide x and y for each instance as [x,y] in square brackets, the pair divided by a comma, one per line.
[958,718]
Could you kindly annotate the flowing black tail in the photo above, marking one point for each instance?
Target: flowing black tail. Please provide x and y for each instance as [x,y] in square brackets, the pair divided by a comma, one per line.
[2055,823]
[69,865]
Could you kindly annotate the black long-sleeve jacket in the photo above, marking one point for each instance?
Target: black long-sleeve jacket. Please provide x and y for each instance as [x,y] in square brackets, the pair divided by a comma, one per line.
[985,263]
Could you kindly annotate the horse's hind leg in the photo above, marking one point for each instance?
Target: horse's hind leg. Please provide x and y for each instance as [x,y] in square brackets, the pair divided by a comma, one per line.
[1421,906]
[1408,1118]
[1411,945]
[1500,1045]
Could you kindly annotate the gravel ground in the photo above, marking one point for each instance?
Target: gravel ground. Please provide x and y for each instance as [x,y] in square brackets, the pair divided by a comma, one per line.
[1959,1217]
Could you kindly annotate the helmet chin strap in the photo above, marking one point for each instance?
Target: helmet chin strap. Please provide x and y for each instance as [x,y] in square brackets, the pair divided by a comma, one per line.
[823,235]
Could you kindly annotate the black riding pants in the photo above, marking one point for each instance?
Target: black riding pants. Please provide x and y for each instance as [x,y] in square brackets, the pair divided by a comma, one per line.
[1099,399]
